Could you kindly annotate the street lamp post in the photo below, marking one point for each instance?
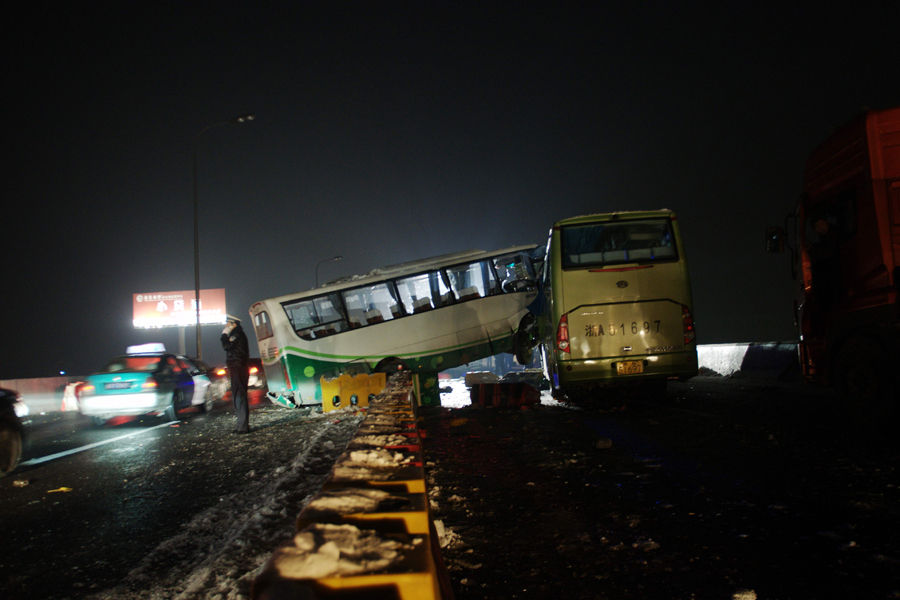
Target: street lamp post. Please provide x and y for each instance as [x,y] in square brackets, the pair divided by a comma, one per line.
[234,121]
[332,259]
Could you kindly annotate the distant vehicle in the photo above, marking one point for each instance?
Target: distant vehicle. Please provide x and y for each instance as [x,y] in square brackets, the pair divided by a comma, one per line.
[12,409]
[845,246]
[147,380]
[221,381]
[616,303]
[427,316]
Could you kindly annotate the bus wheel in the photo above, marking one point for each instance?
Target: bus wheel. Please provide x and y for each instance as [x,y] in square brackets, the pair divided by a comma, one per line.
[390,365]
[10,447]
[523,341]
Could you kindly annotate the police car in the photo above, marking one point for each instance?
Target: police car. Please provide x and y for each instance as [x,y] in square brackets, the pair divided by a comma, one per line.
[147,380]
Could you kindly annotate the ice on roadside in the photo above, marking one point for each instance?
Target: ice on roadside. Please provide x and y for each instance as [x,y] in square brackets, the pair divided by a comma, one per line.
[326,550]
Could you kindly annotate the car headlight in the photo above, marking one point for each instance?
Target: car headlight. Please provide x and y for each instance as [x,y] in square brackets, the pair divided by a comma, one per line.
[21,409]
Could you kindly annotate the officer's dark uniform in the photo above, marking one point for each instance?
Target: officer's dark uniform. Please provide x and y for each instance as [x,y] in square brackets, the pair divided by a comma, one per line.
[237,358]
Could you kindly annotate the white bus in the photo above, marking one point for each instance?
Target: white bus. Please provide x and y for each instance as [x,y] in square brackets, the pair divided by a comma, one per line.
[427,315]
[616,303]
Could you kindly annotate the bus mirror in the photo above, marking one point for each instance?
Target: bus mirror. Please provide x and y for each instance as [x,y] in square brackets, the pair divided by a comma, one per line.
[774,239]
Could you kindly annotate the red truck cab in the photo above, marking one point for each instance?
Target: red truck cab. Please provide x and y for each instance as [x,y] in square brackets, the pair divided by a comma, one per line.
[848,248]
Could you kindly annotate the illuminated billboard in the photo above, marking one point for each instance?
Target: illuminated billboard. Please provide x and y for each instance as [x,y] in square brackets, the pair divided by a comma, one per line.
[153,310]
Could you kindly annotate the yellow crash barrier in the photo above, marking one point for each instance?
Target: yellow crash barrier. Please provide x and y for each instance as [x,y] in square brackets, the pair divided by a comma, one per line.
[350,390]
[369,532]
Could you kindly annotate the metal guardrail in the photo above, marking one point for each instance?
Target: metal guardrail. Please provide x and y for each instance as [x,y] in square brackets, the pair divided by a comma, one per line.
[369,532]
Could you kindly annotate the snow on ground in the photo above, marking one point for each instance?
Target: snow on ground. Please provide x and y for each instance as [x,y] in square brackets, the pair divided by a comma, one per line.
[218,553]
[457,396]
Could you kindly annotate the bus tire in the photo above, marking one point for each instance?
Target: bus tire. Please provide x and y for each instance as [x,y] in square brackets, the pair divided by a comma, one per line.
[389,365]
[523,341]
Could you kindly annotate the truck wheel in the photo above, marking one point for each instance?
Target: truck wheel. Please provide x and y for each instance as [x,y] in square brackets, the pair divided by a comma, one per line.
[861,375]
[10,447]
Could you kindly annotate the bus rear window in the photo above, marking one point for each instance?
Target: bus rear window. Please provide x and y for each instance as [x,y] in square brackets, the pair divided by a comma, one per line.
[617,242]
[263,326]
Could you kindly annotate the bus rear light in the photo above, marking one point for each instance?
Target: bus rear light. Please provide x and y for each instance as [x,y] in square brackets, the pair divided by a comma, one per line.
[687,320]
[149,384]
[562,334]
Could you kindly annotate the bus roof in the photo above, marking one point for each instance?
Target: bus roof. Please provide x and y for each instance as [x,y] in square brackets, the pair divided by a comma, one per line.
[614,216]
[400,269]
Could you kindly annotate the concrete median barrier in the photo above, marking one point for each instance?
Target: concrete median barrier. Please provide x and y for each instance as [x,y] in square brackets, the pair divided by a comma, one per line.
[752,359]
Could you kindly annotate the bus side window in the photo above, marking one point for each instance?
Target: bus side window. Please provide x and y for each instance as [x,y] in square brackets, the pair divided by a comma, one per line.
[474,280]
[440,289]
[301,316]
[415,293]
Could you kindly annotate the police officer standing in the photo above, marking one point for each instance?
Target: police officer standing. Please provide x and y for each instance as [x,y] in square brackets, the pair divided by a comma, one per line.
[237,358]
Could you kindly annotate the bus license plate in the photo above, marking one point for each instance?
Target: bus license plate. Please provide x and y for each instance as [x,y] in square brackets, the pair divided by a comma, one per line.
[630,367]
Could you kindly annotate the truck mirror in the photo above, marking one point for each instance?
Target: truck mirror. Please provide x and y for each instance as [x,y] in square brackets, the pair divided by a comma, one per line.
[774,239]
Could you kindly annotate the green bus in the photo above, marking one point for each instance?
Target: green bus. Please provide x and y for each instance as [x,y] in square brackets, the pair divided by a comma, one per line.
[615,303]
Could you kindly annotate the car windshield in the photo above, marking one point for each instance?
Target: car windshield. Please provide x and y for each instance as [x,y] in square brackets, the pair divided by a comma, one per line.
[132,363]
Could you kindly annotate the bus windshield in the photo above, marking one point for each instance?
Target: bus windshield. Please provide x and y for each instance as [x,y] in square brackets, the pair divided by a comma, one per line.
[617,242]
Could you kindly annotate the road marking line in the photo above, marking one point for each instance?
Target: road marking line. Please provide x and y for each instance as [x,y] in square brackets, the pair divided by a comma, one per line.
[49,457]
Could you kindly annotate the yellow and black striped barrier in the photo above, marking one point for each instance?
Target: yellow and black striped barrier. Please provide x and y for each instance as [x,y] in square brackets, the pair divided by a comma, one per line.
[351,391]
[368,533]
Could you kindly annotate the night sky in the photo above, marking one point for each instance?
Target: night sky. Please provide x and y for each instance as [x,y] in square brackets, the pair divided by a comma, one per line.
[395,132]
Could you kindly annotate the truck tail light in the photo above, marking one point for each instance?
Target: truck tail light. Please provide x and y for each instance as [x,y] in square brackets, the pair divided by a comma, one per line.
[687,321]
[562,334]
